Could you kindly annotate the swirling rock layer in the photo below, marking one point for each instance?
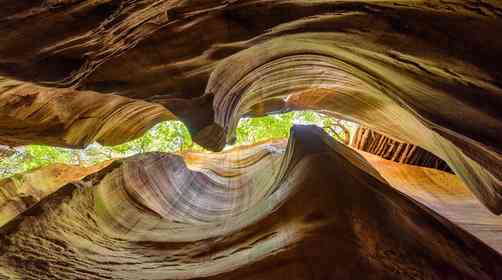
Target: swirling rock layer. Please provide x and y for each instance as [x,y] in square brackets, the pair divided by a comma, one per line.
[20,192]
[424,72]
[339,220]
[65,117]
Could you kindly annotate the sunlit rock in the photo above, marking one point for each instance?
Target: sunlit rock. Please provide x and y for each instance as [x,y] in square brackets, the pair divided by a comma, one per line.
[427,73]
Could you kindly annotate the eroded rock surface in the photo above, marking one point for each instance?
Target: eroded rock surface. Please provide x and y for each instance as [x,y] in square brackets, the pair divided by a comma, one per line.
[425,72]
[325,214]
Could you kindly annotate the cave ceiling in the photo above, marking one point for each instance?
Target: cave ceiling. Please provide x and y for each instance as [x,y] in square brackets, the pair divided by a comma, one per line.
[75,72]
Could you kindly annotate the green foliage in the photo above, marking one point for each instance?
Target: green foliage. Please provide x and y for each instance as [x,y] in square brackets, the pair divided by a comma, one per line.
[34,156]
[171,136]
[252,130]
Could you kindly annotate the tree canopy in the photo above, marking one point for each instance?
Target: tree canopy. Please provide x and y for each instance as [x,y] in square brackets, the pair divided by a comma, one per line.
[169,136]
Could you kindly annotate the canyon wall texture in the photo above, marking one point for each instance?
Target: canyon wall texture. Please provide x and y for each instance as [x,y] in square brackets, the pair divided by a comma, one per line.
[74,72]
[268,212]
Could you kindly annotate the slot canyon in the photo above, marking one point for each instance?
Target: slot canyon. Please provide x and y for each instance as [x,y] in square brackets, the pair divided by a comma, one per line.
[414,193]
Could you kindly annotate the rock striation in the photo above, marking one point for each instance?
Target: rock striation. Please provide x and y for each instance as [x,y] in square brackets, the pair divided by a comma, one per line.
[425,72]
[153,217]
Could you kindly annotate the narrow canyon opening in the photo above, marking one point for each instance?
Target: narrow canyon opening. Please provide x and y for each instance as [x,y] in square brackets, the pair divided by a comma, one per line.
[249,139]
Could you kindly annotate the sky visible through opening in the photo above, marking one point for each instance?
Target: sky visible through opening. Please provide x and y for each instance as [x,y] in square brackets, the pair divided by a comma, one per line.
[169,136]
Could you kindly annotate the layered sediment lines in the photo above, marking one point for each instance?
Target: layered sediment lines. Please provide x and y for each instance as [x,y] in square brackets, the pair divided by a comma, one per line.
[445,194]
[422,72]
[32,114]
[22,191]
[326,213]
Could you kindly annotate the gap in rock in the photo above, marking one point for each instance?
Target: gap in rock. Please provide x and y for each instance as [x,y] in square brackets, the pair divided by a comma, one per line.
[168,137]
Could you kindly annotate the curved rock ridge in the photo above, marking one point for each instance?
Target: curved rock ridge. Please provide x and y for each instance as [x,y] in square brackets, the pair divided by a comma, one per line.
[342,81]
[22,191]
[327,215]
[65,117]
[427,72]
[383,85]
[182,197]
[443,193]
